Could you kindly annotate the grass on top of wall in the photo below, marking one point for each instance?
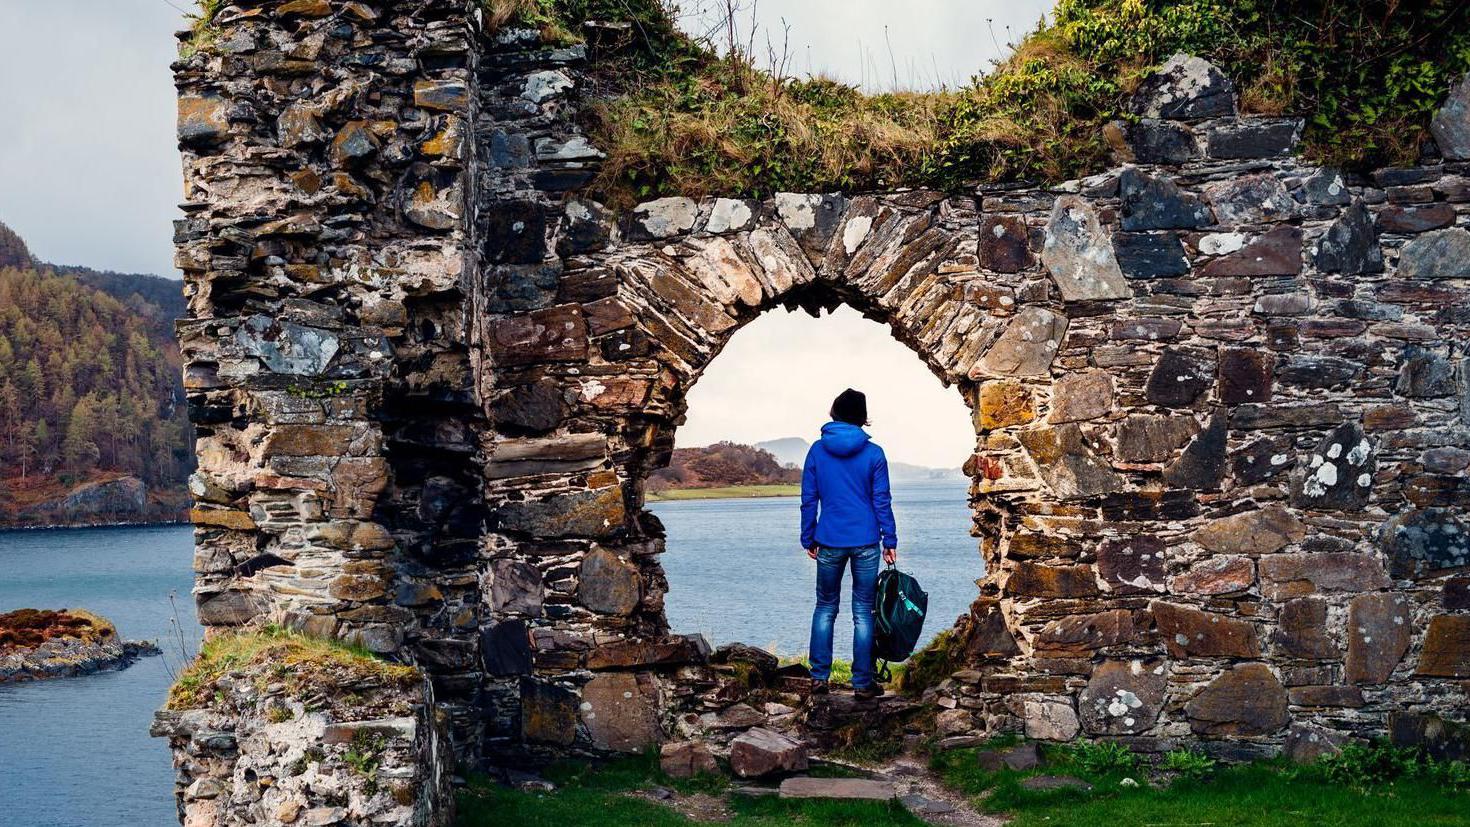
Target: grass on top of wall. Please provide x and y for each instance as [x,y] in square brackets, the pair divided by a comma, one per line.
[304,664]
[678,118]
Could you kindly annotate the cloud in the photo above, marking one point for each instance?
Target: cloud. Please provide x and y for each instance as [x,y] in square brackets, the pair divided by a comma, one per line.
[89,172]
[779,374]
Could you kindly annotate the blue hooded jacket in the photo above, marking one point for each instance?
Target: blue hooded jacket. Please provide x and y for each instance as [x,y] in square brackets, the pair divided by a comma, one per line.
[846,479]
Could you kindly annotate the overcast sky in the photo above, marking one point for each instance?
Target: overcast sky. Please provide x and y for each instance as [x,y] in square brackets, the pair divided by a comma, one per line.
[89,174]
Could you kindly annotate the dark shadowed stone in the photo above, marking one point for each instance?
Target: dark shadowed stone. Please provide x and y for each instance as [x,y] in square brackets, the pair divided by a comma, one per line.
[1185,88]
[1154,141]
[505,648]
[555,334]
[1303,632]
[1255,416]
[1081,396]
[1253,138]
[1439,738]
[1350,697]
[1045,783]
[1441,254]
[1067,463]
[1178,379]
[1150,255]
[1153,438]
[1150,203]
[1146,330]
[1416,219]
[619,712]
[1367,310]
[1203,464]
[515,287]
[1446,648]
[1425,375]
[1261,460]
[1245,375]
[1221,574]
[608,584]
[1294,575]
[1451,124]
[1318,371]
[1338,474]
[1005,244]
[1026,347]
[1350,245]
[586,226]
[596,513]
[1133,565]
[1079,255]
[1308,743]
[1379,629]
[516,588]
[1189,632]
[1123,697]
[535,408]
[1046,580]
[1247,700]
[1456,594]
[1326,188]
[1277,253]
[548,713]
[988,635]
[1079,633]
[1285,304]
[1464,376]
[1250,199]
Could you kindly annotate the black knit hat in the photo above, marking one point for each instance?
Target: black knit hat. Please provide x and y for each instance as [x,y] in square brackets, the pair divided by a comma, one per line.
[851,407]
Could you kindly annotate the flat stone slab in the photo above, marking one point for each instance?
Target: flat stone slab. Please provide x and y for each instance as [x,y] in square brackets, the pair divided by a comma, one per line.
[1054,782]
[864,789]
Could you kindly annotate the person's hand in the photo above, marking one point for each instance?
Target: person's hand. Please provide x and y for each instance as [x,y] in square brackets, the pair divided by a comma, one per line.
[890,556]
[812,552]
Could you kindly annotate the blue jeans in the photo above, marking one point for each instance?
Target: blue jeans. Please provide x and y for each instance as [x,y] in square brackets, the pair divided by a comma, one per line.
[830,563]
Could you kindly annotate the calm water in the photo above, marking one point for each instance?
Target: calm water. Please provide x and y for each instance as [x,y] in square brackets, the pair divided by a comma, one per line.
[736,572]
[76,752]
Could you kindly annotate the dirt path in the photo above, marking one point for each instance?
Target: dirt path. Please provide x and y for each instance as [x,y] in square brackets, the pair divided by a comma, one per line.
[930,800]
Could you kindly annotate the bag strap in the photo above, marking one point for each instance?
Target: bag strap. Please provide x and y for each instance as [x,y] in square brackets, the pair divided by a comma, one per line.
[882,674]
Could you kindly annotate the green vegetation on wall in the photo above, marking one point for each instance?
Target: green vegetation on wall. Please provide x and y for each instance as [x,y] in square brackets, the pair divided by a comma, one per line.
[1366,75]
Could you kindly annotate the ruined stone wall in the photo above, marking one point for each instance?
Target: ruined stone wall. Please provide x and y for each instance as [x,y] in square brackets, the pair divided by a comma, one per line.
[1222,398]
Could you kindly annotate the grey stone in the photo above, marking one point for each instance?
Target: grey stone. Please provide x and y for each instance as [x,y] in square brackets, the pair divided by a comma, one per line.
[1425,375]
[1306,371]
[1285,304]
[544,85]
[1155,141]
[849,789]
[1338,474]
[1078,254]
[1153,438]
[1185,88]
[1203,464]
[1350,245]
[1081,396]
[287,347]
[1123,697]
[516,588]
[1250,199]
[1325,188]
[1150,255]
[1044,783]
[661,218]
[1308,743]
[1150,203]
[608,584]
[1451,124]
[1253,138]
[1067,464]
[1441,254]
[1050,719]
[1027,346]
[730,215]
[1423,542]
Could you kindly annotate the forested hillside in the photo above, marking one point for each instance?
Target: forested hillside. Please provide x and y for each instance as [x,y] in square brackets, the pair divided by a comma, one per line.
[89,393]
[720,465]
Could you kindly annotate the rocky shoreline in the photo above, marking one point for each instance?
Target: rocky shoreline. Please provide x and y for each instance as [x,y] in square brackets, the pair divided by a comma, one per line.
[40,645]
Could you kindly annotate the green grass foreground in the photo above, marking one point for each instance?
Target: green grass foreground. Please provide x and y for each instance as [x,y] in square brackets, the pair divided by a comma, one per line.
[601,796]
[725,492]
[1348,792]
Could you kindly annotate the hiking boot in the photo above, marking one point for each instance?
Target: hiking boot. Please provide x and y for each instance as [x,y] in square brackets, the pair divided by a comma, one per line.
[868,693]
[819,687]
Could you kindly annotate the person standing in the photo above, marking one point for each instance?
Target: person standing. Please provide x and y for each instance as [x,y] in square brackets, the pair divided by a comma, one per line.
[846,514]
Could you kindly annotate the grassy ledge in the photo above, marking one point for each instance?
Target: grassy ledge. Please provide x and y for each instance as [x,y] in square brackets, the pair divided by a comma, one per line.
[725,492]
[306,665]
[678,118]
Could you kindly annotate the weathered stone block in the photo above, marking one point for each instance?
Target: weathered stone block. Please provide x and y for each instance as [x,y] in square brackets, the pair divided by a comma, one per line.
[1081,396]
[1277,253]
[1303,633]
[516,588]
[594,513]
[1004,404]
[1044,580]
[1338,475]
[1005,245]
[619,712]
[1246,375]
[1051,719]
[1446,648]
[1123,697]
[1089,631]
[1150,203]
[555,334]
[1262,531]
[548,713]
[1246,700]
[1379,630]
[1441,254]
[687,759]
[1067,464]
[1079,255]
[1185,88]
[1188,632]
[1223,574]
[1179,379]
[1133,565]
[1451,124]
[1294,575]
[1152,438]
[1350,245]
[1150,255]
[608,584]
[1026,347]
[1203,464]
[505,648]
[761,751]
